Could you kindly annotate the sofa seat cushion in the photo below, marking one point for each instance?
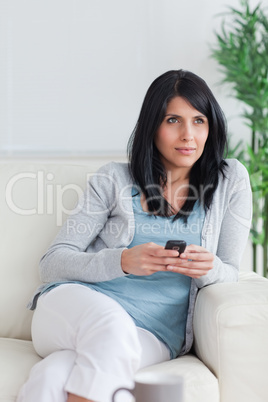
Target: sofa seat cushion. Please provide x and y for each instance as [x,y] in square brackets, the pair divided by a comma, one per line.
[199,382]
[17,358]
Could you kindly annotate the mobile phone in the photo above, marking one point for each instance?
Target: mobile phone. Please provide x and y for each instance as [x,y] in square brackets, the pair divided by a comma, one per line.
[179,245]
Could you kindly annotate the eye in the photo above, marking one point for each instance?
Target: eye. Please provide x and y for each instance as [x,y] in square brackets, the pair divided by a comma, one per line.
[172,120]
[199,121]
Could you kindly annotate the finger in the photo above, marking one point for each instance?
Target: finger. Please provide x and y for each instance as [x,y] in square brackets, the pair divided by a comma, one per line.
[151,269]
[163,252]
[204,270]
[195,256]
[196,264]
[155,263]
[192,264]
[193,273]
[160,251]
[150,261]
[195,248]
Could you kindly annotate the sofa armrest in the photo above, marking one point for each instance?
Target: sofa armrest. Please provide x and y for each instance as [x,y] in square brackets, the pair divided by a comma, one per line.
[231,336]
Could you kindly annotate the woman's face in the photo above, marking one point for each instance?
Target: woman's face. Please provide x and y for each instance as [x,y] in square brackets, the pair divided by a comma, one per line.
[181,136]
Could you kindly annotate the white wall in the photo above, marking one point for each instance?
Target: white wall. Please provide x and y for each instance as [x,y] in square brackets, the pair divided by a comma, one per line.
[73,73]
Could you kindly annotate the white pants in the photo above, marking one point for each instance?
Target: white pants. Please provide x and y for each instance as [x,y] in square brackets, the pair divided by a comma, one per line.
[90,347]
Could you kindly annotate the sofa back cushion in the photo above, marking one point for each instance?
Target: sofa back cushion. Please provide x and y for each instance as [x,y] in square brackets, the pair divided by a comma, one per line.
[34,202]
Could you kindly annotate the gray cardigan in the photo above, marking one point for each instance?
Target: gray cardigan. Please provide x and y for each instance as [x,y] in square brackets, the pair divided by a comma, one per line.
[89,245]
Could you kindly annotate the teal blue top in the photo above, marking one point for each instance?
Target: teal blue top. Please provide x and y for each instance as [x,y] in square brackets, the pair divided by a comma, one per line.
[157,302]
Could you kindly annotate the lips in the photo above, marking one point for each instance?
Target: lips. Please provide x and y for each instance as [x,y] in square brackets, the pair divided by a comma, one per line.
[185,151]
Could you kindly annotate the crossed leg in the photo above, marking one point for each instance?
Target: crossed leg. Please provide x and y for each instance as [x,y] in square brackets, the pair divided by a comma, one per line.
[90,345]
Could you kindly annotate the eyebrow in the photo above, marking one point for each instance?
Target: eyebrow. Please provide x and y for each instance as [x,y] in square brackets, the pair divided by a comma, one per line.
[176,115]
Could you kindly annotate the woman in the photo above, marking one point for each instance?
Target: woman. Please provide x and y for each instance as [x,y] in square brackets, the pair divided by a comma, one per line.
[115,299]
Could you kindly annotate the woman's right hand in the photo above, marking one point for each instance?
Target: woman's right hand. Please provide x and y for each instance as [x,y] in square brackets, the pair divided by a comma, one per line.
[146,259]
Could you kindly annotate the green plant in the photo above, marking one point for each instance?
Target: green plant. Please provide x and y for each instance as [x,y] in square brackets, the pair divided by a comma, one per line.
[242,52]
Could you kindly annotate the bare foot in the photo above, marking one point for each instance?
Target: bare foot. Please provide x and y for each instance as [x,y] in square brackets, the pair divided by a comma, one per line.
[76,398]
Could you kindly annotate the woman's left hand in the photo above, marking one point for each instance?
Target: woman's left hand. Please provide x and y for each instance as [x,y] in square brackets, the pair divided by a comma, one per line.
[195,262]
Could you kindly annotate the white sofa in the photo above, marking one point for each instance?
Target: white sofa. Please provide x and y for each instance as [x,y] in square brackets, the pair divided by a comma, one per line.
[230,361]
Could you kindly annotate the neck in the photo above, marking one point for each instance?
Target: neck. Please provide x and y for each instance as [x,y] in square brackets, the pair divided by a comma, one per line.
[176,190]
[177,177]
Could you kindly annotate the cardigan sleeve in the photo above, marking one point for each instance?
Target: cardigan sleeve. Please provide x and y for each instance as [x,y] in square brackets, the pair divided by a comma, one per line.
[234,226]
[72,255]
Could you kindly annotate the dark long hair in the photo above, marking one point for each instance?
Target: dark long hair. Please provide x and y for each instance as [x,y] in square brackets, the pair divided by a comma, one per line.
[145,165]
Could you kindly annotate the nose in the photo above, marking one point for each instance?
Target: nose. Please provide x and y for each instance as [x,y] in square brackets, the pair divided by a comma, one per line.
[186,133]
